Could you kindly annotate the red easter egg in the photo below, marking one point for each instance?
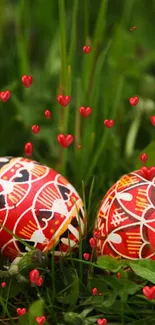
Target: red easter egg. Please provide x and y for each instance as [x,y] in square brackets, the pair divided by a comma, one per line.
[39,206]
[126,218]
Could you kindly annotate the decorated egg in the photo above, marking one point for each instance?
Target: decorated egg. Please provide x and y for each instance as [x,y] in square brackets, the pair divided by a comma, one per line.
[126,217]
[39,206]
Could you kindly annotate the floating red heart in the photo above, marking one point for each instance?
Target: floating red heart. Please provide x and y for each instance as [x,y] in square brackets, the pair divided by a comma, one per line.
[35,129]
[102,321]
[152,119]
[40,281]
[34,276]
[28,149]
[144,157]
[27,81]
[86,49]
[86,256]
[48,114]
[94,291]
[40,320]
[85,111]
[5,95]
[134,100]
[79,146]
[65,141]
[63,100]
[3,284]
[109,123]
[21,311]
[148,173]
[149,293]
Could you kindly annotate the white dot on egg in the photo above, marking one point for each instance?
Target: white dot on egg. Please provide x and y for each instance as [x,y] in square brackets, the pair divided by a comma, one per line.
[125,196]
[115,238]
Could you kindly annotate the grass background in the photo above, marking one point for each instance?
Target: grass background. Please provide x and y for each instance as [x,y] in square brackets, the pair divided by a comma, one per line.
[44,39]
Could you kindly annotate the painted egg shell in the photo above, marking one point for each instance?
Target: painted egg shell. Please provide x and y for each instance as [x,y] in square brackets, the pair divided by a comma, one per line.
[39,206]
[126,219]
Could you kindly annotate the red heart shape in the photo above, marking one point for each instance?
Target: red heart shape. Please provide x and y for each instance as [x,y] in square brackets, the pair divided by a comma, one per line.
[134,100]
[21,311]
[85,111]
[34,276]
[149,292]
[5,95]
[3,284]
[152,119]
[148,173]
[63,100]
[28,149]
[102,321]
[109,123]
[27,81]
[40,320]
[86,49]
[86,256]
[35,129]
[65,141]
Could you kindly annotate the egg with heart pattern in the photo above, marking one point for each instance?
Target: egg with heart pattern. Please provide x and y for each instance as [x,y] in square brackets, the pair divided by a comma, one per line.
[126,217]
[39,206]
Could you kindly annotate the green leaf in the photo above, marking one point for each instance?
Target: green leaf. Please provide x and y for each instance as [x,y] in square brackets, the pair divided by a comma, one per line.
[145,269]
[36,309]
[150,151]
[110,263]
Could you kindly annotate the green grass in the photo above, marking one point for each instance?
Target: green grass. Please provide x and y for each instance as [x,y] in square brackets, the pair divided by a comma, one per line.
[45,39]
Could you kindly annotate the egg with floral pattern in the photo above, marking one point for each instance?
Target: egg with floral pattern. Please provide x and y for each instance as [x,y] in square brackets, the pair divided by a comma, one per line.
[39,206]
[126,217]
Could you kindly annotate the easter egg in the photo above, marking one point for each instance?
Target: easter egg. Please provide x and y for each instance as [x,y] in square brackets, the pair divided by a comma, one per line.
[126,217]
[39,206]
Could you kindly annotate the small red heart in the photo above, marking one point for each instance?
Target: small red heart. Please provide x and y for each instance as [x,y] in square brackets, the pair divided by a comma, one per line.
[109,123]
[40,320]
[28,149]
[149,292]
[79,146]
[35,129]
[134,100]
[152,119]
[85,111]
[86,256]
[5,95]
[102,321]
[63,100]
[148,173]
[40,281]
[27,81]
[3,284]
[21,311]
[65,141]
[86,49]
[34,276]
[144,157]
[48,114]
